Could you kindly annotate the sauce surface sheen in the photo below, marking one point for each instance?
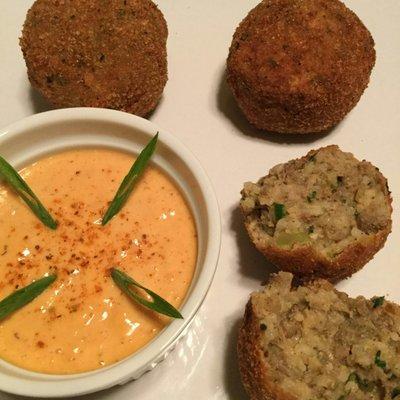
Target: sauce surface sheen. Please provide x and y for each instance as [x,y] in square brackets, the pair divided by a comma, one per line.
[83,321]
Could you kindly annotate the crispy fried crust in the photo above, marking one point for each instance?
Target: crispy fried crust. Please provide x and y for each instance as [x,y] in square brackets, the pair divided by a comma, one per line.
[307,264]
[263,377]
[252,365]
[100,53]
[299,66]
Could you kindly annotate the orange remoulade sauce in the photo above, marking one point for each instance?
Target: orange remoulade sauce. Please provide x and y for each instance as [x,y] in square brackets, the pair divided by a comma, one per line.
[83,321]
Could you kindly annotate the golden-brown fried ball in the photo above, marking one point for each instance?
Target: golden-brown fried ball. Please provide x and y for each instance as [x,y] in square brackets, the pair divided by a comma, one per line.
[299,66]
[97,53]
[324,215]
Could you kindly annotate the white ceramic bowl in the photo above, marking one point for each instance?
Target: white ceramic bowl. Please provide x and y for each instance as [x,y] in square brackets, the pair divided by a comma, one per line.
[42,134]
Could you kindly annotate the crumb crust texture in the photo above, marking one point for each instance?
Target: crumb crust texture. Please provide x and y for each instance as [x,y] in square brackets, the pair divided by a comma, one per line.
[299,66]
[101,53]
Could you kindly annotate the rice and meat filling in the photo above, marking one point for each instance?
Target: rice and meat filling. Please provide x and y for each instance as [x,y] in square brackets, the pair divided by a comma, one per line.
[320,344]
[327,199]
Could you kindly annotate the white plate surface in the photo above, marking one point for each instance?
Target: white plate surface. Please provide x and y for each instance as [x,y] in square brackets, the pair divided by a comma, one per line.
[198,109]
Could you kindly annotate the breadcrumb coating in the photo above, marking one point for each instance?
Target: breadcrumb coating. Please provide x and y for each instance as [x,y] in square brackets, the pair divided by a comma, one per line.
[299,66]
[97,53]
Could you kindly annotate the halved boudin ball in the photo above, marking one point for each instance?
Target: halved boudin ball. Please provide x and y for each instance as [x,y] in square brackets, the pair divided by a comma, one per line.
[299,66]
[316,343]
[323,215]
[97,53]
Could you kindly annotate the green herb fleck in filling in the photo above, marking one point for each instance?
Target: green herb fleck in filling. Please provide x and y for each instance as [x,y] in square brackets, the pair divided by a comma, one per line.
[311,196]
[263,327]
[378,301]
[380,363]
[395,392]
[363,384]
[279,211]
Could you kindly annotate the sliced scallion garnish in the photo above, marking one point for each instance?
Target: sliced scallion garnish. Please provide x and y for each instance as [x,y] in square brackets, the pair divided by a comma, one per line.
[24,296]
[14,179]
[158,304]
[129,181]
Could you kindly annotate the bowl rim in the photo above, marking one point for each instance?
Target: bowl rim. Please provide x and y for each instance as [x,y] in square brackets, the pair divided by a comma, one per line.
[33,384]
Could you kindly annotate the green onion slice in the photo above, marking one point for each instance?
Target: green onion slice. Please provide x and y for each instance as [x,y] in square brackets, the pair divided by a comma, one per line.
[125,283]
[25,295]
[289,239]
[378,361]
[363,384]
[378,301]
[311,196]
[279,211]
[395,392]
[129,181]
[12,177]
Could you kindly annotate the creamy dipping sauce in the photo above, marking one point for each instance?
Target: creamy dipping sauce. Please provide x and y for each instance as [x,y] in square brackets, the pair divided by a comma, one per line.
[83,321]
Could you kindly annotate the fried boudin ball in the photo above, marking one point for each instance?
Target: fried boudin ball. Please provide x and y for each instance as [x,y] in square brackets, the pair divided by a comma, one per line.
[97,53]
[299,66]
[324,215]
[315,343]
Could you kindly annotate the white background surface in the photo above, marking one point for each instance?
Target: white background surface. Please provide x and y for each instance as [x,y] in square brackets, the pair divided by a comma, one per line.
[198,108]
